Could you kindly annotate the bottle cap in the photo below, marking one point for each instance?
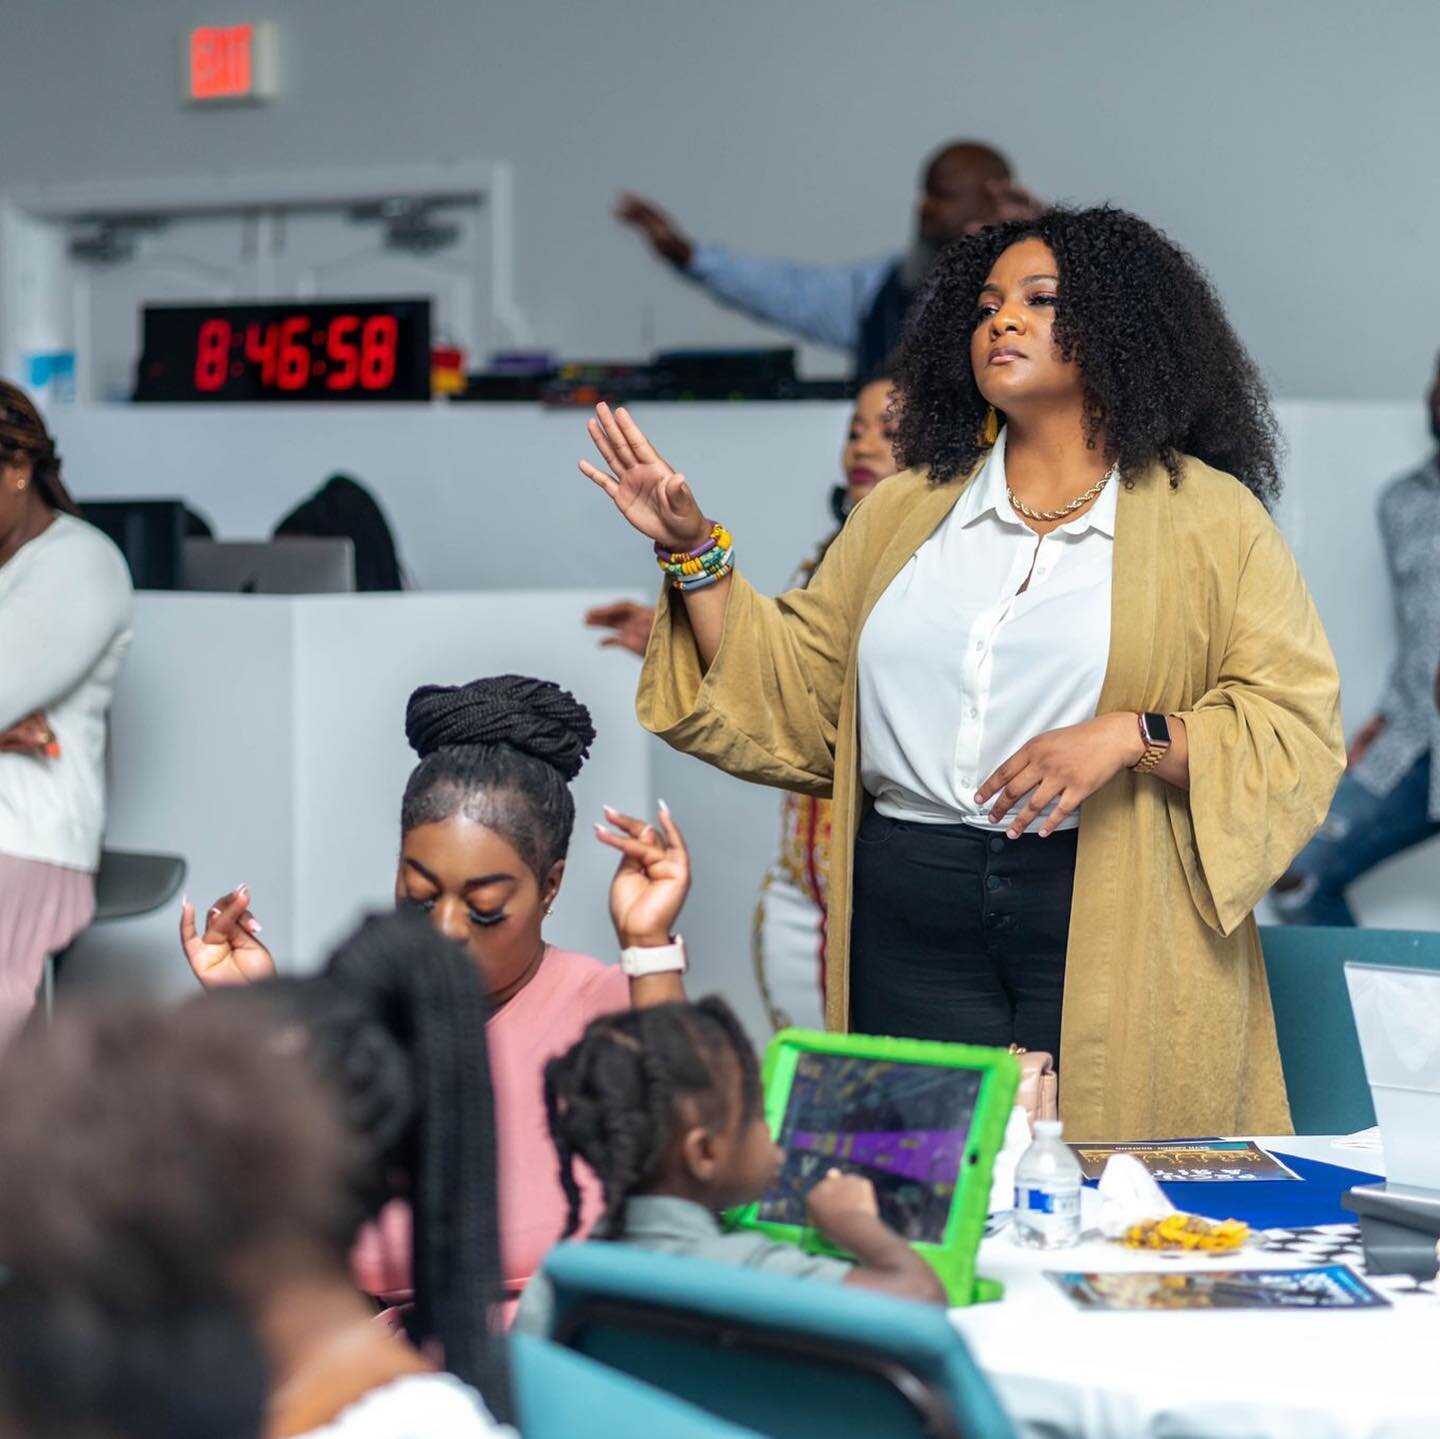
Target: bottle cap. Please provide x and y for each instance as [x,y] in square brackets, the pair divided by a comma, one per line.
[1048,1128]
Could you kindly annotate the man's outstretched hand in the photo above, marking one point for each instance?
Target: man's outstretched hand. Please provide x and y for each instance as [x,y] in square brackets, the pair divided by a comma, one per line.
[661,233]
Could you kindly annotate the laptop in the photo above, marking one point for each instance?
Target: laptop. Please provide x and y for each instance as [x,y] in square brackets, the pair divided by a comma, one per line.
[1397,1016]
[276,567]
[922,1121]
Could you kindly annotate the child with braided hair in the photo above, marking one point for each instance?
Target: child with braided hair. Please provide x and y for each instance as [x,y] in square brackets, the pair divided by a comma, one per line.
[664,1105]
[485,824]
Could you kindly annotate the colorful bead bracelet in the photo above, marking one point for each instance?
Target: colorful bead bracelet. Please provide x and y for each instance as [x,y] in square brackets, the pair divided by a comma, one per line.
[704,565]
[718,536]
[700,578]
[701,581]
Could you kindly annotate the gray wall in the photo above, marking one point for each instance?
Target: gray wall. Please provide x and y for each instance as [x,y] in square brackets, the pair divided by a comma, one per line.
[1289,143]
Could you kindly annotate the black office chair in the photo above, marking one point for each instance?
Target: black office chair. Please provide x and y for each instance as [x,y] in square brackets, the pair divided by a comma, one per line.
[128,883]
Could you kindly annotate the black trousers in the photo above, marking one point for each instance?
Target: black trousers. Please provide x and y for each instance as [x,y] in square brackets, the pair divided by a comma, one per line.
[959,934]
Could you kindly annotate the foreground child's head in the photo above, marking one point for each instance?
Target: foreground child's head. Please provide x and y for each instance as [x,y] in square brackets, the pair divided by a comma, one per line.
[158,1165]
[663,1100]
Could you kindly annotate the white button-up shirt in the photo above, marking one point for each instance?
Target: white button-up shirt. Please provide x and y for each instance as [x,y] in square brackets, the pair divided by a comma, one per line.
[962,662]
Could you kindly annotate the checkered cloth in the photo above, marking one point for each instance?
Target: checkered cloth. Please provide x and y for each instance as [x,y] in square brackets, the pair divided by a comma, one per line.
[1340,1244]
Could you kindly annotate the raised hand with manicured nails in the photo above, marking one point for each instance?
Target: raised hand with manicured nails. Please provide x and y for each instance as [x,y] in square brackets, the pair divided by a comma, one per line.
[646,490]
[649,889]
[228,952]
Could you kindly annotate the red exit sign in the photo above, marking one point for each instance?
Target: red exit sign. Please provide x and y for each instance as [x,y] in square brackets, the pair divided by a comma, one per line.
[230,62]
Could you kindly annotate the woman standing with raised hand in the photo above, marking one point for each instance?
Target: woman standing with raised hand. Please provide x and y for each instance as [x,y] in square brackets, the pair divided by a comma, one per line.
[789,931]
[1073,597]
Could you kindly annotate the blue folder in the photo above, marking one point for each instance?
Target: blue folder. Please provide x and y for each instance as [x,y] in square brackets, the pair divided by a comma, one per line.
[1274,1203]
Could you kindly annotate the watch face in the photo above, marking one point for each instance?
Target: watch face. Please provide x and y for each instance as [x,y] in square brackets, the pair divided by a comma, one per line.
[1157,728]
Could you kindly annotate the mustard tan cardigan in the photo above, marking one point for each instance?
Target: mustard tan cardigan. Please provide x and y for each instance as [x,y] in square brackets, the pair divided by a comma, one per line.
[1167,1027]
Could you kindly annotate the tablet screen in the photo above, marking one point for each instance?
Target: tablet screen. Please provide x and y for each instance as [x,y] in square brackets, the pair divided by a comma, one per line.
[903,1126]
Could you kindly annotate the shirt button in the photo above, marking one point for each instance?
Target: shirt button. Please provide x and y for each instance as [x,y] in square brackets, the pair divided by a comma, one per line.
[993,883]
[997,845]
[979,645]
[974,713]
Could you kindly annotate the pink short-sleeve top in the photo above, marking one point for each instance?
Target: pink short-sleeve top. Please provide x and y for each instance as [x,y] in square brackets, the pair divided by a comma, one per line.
[543,1020]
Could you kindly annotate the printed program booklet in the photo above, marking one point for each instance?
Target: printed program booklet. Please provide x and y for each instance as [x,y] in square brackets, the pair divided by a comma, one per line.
[1330,1286]
[1188,1161]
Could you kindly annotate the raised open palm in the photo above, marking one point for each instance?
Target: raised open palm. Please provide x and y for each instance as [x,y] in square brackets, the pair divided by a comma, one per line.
[228,952]
[646,490]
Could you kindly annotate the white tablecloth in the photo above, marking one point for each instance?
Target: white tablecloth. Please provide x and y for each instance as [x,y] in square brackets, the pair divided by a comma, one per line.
[1061,1371]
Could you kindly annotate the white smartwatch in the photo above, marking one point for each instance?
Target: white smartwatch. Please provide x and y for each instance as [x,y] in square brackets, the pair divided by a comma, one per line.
[661,959]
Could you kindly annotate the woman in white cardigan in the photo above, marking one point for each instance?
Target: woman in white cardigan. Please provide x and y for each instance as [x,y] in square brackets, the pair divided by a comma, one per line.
[65,604]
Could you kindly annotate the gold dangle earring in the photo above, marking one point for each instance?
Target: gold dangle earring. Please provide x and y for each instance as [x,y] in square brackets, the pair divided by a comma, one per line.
[990,427]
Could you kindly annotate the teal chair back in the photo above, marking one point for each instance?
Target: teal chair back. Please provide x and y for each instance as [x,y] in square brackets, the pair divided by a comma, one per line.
[1319,1049]
[560,1395]
[788,1358]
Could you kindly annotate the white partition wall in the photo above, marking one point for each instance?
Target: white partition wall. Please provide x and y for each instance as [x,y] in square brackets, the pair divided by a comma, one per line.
[264,740]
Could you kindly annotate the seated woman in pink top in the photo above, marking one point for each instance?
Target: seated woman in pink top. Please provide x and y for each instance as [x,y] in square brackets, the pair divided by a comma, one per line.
[485,827]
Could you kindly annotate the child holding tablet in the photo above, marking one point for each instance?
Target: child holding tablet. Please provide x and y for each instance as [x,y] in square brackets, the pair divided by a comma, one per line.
[664,1105]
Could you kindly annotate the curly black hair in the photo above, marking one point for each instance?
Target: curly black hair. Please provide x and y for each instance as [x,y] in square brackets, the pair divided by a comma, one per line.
[1161,369]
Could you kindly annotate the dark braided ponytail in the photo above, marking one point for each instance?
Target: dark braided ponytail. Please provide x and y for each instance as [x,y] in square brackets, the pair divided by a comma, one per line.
[23,435]
[501,752]
[396,1022]
[612,1098]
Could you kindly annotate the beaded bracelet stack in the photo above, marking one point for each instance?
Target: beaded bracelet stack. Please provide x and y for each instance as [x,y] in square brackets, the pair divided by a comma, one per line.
[704,566]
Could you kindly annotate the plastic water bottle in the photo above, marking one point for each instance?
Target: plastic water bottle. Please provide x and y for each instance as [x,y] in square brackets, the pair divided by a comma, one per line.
[1047,1191]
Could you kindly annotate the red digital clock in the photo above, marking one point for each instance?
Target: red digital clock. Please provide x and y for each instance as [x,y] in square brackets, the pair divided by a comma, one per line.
[338,350]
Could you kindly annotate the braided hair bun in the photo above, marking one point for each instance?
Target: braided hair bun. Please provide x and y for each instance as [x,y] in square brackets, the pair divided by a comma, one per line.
[536,717]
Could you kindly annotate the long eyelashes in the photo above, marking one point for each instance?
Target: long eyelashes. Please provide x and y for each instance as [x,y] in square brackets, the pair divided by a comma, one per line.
[477,917]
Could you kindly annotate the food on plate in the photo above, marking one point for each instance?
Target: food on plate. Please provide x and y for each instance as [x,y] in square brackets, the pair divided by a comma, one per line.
[1187,1232]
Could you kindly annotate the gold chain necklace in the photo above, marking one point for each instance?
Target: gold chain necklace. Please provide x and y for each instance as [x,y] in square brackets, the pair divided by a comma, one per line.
[1078,503]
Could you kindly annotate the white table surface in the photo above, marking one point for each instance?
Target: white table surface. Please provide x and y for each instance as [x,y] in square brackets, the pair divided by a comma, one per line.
[1061,1371]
